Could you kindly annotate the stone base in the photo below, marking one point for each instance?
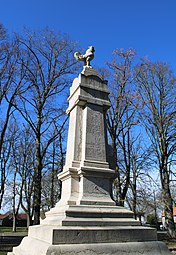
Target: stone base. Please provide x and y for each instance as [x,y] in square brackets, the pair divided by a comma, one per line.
[30,246]
[90,230]
[89,215]
[86,235]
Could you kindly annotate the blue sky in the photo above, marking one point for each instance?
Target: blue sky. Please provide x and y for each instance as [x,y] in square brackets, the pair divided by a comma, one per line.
[149,26]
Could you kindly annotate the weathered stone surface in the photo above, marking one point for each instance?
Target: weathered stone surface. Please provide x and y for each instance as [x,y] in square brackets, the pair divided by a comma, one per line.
[37,247]
[80,235]
[145,248]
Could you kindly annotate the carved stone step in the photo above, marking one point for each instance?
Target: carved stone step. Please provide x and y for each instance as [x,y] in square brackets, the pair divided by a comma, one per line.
[76,235]
[98,212]
[100,222]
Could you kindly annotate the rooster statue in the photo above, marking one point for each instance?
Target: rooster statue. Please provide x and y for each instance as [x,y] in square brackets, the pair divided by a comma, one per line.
[87,57]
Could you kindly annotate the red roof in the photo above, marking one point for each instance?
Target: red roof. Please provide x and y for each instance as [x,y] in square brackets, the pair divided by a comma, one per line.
[174,211]
[20,216]
[3,216]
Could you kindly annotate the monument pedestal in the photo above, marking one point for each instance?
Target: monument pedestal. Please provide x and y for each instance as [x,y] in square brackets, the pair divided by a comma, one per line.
[86,220]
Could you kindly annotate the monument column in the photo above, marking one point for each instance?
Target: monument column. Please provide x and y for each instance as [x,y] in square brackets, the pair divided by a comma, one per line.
[86,178]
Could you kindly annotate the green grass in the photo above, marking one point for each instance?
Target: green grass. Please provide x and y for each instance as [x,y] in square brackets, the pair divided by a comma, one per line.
[9,229]
[21,231]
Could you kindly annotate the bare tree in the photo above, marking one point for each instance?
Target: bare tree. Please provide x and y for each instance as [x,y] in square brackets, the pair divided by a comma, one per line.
[121,119]
[4,163]
[156,87]
[47,60]
[23,165]
[147,202]
[5,115]
[54,163]
[140,172]
[9,89]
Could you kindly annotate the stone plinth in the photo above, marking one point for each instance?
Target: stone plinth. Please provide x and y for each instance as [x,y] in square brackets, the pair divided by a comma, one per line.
[86,220]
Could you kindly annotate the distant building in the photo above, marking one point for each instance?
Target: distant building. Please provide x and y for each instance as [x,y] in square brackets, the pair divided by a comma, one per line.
[163,217]
[6,220]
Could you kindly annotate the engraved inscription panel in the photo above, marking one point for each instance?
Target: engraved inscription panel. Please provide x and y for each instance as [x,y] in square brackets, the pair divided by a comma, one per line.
[95,139]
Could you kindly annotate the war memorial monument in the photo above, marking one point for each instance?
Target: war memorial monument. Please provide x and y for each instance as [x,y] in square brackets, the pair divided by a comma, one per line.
[86,220]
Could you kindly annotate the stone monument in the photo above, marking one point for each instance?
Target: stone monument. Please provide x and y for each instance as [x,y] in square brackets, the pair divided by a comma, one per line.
[86,221]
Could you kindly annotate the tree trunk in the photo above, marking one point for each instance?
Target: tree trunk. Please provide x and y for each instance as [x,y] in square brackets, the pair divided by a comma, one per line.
[2,188]
[134,198]
[52,202]
[37,183]
[29,221]
[168,204]
[14,202]
[14,223]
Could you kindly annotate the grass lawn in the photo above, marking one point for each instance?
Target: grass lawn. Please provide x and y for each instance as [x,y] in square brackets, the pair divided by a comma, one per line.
[9,229]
